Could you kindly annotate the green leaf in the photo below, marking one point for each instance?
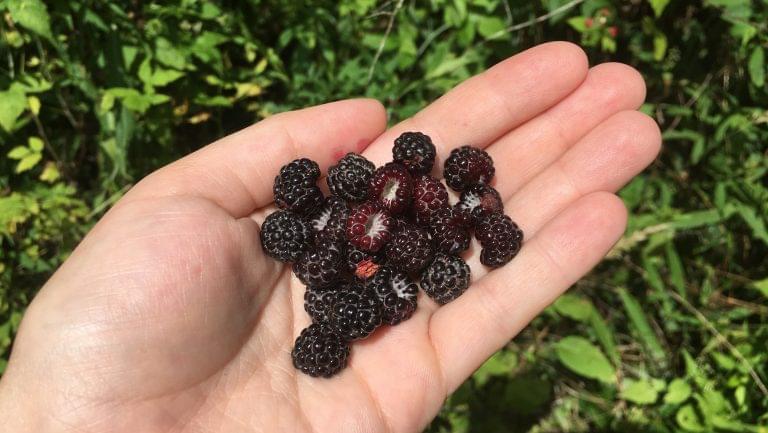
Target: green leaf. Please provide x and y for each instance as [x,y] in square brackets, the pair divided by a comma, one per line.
[168,55]
[32,15]
[638,391]
[19,152]
[688,420]
[585,359]
[677,392]
[14,103]
[578,23]
[36,144]
[658,6]
[640,324]
[659,46]
[34,105]
[50,173]
[756,66]
[574,306]
[500,364]
[489,26]
[675,267]
[761,286]
[28,162]
[162,77]
[604,335]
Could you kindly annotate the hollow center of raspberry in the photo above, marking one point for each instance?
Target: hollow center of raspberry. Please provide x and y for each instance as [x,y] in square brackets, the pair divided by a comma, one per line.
[375,224]
[471,200]
[321,220]
[389,192]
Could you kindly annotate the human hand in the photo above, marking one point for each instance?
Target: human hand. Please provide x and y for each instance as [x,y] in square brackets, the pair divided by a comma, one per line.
[169,317]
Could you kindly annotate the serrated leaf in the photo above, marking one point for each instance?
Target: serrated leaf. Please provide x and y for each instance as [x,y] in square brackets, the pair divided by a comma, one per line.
[658,6]
[574,306]
[32,15]
[28,162]
[14,102]
[585,359]
[639,391]
[19,152]
[756,66]
[677,392]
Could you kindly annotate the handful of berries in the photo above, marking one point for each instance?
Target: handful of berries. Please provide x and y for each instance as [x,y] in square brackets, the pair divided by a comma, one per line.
[361,251]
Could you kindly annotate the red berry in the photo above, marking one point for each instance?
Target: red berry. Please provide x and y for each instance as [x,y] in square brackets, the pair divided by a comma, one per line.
[391,188]
[369,227]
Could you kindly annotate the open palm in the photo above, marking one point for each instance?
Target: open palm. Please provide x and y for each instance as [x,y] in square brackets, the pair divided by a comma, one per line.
[170,318]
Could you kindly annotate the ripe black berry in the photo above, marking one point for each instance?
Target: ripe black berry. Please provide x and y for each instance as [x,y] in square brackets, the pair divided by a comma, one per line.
[446,278]
[391,188]
[285,235]
[368,227]
[429,195]
[296,187]
[410,249]
[415,151]
[319,351]
[396,293]
[501,239]
[448,232]
[321,265]
[356,312]
[318,302]
[477,202]
[466,166]
[349,178]
[331,218]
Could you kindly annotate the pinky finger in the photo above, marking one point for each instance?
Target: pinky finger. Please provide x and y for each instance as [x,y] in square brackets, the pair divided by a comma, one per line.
[467,331]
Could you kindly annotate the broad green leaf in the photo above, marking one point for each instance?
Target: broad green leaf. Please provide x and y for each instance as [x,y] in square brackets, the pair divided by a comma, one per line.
[688,420]
[489,26]
[574,306]
[13,103]
[641,325]
[501,363]
[28,162]
[638,391]
[756,66]
[578,23]
[658,6]
[677,392]
[19,152]
[32,15]
[36,144]
[585,359]
[162,77]
[168,55]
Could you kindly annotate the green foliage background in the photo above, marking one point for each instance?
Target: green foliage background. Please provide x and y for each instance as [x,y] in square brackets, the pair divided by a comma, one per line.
[669,334]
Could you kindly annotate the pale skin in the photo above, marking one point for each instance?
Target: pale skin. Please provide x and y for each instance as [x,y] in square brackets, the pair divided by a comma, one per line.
[168,317]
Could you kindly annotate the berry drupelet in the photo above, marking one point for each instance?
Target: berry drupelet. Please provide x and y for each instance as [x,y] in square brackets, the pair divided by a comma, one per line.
[349,179]
[410,249]
[356,312]
[396,293]
[467,166]
[415,151]
[285,235]
[501,239]
[446,278]
[319,351]
[429,195]
[296,187]
[448,231]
